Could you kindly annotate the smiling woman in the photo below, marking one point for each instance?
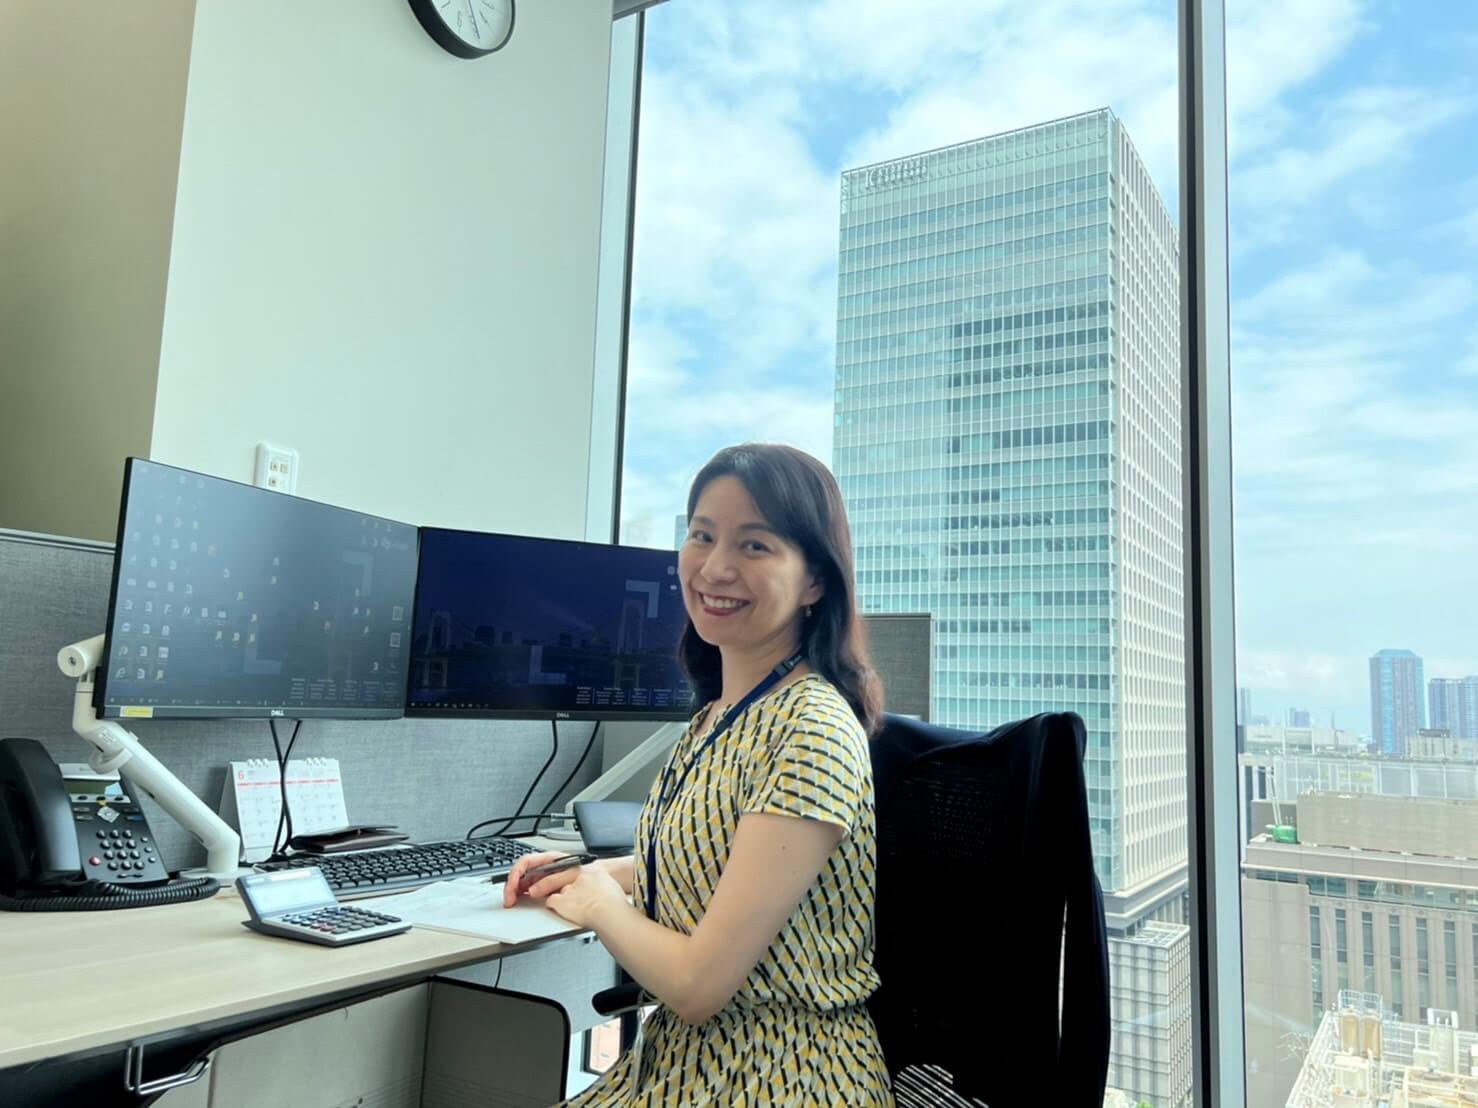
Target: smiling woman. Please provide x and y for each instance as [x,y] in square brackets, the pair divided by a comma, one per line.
[766,568]
[754,857]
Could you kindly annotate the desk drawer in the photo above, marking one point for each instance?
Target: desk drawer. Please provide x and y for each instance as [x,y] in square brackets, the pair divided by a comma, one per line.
[439,1044]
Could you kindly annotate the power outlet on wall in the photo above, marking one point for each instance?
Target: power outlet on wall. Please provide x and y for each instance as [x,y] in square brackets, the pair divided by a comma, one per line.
[277,468]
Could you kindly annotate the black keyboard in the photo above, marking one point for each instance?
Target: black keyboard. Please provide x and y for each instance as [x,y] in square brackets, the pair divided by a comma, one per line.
[371,872]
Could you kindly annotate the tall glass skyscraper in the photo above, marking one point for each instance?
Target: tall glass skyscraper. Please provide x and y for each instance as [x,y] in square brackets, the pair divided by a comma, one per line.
[1453,704]
[1397,707]
[1008,440]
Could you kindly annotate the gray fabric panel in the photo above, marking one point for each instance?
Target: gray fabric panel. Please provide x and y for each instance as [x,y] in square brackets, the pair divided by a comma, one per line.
[434,778]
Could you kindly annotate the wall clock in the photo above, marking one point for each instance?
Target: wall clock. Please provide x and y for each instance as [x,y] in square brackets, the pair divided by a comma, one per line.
[466,28]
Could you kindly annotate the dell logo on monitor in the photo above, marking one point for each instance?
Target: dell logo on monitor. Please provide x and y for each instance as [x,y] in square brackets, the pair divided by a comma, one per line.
[278,712]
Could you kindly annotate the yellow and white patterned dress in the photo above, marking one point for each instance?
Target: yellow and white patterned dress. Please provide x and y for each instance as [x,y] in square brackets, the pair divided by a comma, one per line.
[796,1032]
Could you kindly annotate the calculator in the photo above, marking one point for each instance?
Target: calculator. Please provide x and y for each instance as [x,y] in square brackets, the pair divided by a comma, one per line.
[298,904]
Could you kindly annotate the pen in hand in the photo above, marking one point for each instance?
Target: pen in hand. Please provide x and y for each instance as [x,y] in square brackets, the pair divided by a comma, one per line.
[569,861]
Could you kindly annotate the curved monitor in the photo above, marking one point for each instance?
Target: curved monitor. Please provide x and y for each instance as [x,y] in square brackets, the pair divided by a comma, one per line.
[231,601]
[511,627]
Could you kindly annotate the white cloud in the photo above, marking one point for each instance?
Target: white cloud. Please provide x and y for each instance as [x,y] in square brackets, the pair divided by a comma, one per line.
[1323,415]
[1467,362]
[1273,48]
[1364,130]
[1326,677]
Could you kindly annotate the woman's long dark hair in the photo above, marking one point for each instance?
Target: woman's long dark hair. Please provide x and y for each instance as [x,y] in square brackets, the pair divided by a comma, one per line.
[800,499]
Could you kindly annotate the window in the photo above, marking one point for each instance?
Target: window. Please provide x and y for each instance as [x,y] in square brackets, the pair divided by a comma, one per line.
[920,250]
[1353,296]
[1397,996]
[1423,971]
[1316,955]
[1367,950]
[1449,956]
[1341,949]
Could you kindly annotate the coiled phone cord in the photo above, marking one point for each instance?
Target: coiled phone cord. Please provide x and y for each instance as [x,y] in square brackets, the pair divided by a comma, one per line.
[98,896]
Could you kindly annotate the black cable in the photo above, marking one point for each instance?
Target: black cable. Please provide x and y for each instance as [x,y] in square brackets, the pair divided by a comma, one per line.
[538,816]
[510,819]
[285,816]
[518,812]
[98,896]
[565,784]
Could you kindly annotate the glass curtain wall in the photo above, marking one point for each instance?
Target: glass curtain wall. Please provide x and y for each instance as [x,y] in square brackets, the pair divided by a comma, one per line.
[1354,195]
[940,250]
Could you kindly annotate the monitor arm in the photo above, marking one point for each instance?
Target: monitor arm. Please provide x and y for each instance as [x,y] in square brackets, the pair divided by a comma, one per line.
[117,747]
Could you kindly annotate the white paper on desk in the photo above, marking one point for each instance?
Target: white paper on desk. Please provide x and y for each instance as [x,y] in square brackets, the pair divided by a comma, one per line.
[474,906]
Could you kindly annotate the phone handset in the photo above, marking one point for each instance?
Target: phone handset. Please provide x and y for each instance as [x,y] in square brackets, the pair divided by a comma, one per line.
[66,850]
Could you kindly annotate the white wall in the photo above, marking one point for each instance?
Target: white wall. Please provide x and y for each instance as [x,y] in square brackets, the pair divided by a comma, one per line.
[385,257]
[91,105]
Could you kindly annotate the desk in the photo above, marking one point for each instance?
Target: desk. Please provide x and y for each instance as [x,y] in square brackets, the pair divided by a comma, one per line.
[78,982]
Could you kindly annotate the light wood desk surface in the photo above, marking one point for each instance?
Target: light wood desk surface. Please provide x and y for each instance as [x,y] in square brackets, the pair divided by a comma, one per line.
[72,981]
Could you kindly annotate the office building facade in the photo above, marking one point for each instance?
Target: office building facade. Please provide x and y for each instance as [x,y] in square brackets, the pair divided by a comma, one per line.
[1007,437]
[1377,895]
[1453,706]
[1397,705]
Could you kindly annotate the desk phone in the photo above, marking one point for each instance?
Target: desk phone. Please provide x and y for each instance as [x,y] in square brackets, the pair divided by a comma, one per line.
[298,904]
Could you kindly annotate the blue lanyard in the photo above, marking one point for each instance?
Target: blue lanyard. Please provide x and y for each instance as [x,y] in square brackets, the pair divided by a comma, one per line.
[672,781]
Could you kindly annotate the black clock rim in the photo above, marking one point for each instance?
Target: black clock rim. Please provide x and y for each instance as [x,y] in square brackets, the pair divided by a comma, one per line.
[442,35]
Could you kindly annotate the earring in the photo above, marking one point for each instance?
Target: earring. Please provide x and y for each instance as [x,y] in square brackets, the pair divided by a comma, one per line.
[808,611]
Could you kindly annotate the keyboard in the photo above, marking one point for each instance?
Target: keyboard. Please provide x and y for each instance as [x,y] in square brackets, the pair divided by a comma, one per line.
[372,872]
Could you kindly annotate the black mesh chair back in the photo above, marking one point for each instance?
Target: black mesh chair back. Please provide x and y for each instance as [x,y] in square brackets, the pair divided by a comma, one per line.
[980,841]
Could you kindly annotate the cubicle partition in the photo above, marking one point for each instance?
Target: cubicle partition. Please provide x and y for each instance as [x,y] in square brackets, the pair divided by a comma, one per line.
[434,778]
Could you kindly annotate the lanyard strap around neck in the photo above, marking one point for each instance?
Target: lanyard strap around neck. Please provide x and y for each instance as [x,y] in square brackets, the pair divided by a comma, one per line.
[672,780]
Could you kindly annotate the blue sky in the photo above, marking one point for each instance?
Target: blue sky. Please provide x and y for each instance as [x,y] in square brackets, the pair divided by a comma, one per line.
[1354,195]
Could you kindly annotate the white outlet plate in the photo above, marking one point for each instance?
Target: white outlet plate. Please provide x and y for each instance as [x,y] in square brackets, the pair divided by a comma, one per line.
[277,468]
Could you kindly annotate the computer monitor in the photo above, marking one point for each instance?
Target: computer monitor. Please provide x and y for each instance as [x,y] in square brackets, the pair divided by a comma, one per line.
[511,627]
[230,601]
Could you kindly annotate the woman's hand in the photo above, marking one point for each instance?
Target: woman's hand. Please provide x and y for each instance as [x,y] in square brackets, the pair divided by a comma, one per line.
[544,885]
[582,900]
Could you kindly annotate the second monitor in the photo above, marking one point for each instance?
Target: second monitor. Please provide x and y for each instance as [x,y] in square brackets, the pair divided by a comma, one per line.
[512,627]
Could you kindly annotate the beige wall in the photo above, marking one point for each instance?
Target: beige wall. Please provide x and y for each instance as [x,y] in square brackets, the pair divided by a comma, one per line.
[377,254]
[1279,985]
[91,103]
[386,258]
[1391,824]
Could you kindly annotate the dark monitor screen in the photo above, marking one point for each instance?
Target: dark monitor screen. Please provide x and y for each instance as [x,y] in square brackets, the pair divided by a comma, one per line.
[522,628]
[234,601]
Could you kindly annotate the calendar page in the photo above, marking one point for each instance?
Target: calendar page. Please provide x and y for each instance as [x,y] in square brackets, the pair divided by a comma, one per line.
[252,800]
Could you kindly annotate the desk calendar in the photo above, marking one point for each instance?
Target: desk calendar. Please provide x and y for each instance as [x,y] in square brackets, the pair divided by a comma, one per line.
[252,800]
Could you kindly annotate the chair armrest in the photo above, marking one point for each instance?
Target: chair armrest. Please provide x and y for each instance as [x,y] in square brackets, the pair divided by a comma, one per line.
[618,999]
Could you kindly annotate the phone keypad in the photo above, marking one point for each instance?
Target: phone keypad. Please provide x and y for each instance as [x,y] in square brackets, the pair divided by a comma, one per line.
[119,853]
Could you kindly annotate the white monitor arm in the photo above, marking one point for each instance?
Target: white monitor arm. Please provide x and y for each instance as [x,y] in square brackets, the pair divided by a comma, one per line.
[117,747]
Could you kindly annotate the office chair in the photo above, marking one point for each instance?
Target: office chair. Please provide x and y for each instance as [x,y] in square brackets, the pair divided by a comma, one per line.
[985,887]
[985,890]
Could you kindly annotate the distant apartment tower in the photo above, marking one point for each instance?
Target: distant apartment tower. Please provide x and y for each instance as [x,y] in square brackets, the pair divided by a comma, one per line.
[1008,440]
[1297,717]
[1397,707]
[1244,707]
[1453,704]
